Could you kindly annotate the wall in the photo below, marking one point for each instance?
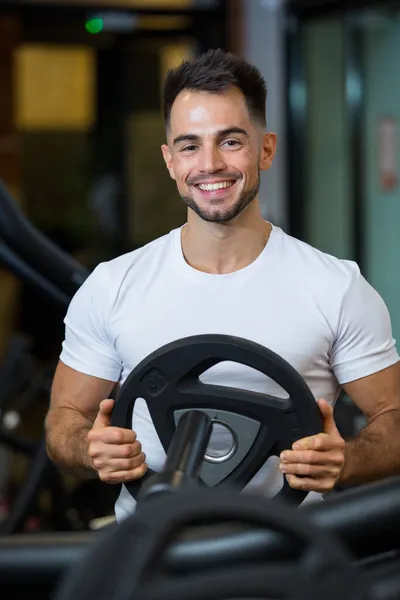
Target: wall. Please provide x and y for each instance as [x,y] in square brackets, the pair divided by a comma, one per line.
[381,52]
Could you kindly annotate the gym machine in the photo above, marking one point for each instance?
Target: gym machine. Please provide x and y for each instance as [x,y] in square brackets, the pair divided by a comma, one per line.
[38,261]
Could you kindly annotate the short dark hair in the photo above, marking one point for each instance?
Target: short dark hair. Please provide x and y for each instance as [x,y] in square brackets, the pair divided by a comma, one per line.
[215,71]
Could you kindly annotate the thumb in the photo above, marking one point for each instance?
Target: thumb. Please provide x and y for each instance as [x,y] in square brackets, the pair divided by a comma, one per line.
[327,415]
[103,418]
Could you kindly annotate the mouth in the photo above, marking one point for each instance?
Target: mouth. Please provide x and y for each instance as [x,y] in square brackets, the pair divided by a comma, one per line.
[215,189]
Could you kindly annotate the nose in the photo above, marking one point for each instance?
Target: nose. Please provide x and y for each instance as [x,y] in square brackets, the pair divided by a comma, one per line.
[211,159]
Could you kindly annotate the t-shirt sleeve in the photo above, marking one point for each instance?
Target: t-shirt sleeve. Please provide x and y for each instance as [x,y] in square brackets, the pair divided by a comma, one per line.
[87,345]
[364,342]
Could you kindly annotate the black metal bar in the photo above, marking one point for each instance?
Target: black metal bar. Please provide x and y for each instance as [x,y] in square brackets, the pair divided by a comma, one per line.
[36,250]
[19,268]
[110,136]
[366,520]
[188,445]
[296,101]
[15,443]
[184,458]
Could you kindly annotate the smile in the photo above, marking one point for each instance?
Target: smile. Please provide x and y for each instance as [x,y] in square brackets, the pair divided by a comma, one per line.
[212,187]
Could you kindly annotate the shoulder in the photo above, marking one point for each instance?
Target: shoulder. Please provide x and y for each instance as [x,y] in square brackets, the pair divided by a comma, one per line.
[103,285]
[115,270]
[317,269]
[140,258]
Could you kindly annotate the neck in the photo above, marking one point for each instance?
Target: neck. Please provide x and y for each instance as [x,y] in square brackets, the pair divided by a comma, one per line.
[222,248]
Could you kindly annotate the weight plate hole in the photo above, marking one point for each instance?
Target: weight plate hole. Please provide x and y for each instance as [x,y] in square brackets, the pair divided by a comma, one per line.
[223,443]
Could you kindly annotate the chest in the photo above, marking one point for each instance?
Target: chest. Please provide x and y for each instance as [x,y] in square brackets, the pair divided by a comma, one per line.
[281,318]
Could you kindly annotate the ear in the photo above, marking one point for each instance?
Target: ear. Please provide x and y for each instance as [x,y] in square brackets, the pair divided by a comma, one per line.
[268,149]
[168,159]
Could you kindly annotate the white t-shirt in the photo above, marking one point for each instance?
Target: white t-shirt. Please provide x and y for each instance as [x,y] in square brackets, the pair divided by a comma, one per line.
[314,310]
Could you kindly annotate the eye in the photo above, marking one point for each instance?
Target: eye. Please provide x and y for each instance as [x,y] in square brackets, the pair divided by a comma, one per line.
[190,148]
[232,143]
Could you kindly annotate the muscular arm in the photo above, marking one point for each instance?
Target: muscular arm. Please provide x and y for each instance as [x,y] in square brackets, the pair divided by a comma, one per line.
[74,405]
[374,453]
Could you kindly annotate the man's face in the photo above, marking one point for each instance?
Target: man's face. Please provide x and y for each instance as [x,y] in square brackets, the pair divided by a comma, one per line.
[215,153]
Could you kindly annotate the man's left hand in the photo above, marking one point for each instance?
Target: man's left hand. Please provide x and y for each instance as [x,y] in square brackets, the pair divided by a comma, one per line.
[319,458]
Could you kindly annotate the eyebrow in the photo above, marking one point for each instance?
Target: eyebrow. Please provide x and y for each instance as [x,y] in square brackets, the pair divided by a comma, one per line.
[191,137]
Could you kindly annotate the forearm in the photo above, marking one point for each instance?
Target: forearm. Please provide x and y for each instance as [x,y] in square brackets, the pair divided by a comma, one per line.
[374,453]
[67,445]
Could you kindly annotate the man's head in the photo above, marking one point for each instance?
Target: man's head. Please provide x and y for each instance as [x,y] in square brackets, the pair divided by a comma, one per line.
[214,111]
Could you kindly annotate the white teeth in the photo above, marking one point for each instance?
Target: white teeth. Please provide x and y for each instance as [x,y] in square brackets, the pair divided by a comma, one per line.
[210,187]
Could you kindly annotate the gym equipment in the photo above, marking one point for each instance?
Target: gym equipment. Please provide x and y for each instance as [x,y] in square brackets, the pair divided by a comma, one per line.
[35,259]
[129,561]
[16,265]
[366,520]
[22,384]
[383,579]
[16,371]
[33,256]
[30,255]
[203,543]
[261,425]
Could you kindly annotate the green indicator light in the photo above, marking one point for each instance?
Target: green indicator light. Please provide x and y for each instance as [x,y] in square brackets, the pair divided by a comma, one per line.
[95,25]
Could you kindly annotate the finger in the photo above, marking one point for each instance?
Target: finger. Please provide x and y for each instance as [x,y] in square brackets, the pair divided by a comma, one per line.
[310,470]
[314,442]
[312,457]
[118,464]
[125,476]
[124,450]
[112,451]
[112,435]
[327,415]
[307,484]
[103,418]
[321,442]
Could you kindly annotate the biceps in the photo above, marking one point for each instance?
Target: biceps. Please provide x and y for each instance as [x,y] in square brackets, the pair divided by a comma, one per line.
[378,393]
[75,390]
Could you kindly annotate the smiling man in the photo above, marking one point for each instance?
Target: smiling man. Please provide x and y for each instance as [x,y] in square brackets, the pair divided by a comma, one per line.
[227,271]
[213,163]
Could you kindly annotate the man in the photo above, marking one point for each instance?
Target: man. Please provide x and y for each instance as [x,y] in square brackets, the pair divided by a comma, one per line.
[226,271]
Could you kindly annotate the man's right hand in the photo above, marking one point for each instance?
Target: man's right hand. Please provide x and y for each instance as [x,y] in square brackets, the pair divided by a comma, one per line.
[115,453]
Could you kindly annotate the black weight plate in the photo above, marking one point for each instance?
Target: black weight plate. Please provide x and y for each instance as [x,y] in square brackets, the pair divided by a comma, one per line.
[129,561]
[168,380]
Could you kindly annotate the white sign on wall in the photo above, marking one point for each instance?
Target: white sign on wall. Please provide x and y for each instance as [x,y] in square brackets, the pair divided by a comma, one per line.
[388,175]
